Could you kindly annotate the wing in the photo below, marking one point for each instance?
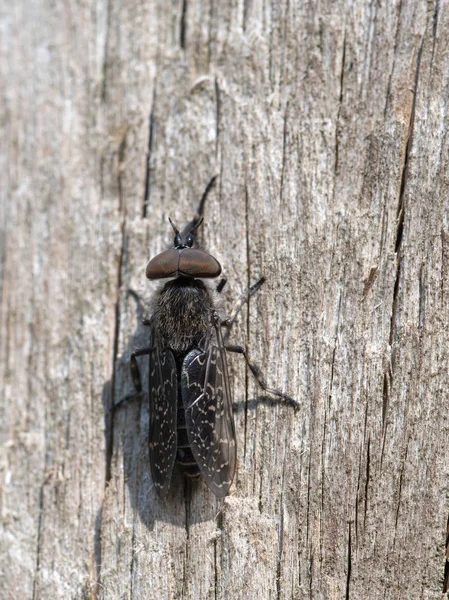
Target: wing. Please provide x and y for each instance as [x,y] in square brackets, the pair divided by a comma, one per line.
[163,392]
[208,408]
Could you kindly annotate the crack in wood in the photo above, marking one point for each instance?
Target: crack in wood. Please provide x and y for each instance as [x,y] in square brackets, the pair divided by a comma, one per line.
[284,155]
[280,549]
[385,399]
[39,537]
[133,560]
[217,113]
[443,263]
[340,102]
[388,378]
[121,161]
[367,474]
[311,575]
[422,298]
[395,47]
[435,18]
[183,26]
[260,503]
[357,496]
[446,562]
[391,337]
[281,529]
[146,195]
[219,521]
[334,350]
[97,556]
[308,499]
[106,51]
[434,28]
[245,14]
[401,478]
[400,215]
[349,563]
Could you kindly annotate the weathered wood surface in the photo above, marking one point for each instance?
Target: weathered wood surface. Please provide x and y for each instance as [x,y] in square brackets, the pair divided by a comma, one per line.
[327,125]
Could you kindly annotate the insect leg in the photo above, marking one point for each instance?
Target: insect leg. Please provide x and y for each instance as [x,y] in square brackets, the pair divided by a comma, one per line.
[140,305]
[137,298]
[221,284]
[258,375]
[135,374]
[244,298]
[134,368]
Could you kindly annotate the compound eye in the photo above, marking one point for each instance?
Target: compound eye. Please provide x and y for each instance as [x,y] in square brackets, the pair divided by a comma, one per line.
[177,240]
[189,240]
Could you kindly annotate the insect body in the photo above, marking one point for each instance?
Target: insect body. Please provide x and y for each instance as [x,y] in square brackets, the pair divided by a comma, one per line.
[190,403]
[191,418]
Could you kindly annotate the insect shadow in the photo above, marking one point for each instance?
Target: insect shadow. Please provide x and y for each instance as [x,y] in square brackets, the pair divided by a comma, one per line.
[188,500]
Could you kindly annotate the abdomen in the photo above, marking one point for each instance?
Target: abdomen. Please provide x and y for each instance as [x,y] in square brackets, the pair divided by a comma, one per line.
[184,455]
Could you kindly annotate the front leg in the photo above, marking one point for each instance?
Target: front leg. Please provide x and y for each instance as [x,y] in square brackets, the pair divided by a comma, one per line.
[142,308]
[221,284]
[244,298]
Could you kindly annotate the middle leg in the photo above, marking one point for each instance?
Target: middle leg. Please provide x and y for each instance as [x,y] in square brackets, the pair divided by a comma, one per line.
[258,375]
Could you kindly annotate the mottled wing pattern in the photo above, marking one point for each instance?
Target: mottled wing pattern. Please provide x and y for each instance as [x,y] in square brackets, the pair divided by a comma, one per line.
[208,408]
[163,391]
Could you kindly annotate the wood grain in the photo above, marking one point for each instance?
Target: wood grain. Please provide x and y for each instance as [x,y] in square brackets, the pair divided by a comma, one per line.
[327,126]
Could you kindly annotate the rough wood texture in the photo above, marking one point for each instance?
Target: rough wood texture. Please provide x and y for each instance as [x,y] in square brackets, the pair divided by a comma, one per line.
[327,125]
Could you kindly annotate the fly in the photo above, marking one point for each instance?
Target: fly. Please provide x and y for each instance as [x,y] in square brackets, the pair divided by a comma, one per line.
[190,405]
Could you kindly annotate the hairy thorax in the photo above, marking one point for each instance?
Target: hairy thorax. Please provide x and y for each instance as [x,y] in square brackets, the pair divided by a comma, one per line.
[183,313]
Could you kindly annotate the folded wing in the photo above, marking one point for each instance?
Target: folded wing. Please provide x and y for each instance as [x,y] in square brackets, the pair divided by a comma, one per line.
[163,391]
[208,408]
